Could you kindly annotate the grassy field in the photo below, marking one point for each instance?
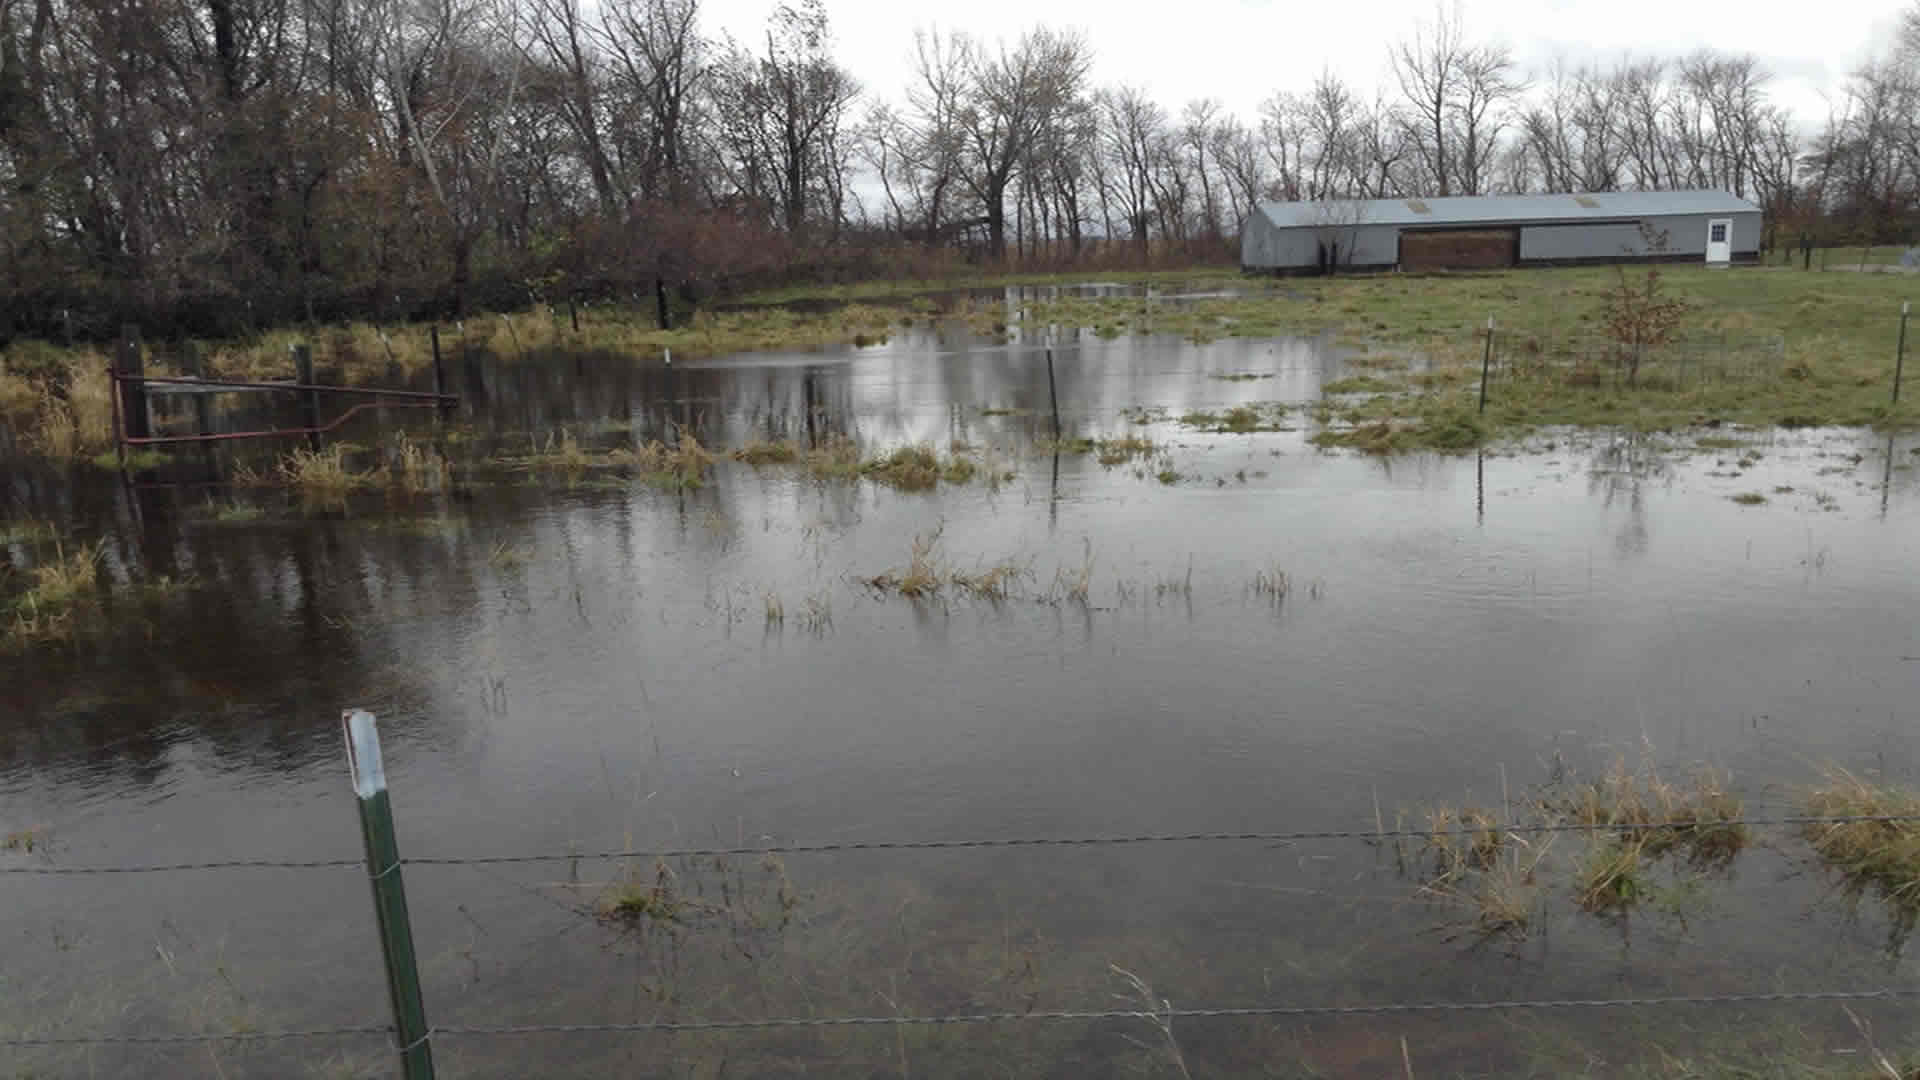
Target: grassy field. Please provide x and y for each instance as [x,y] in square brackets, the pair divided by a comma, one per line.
[1425,335]
[1421,333]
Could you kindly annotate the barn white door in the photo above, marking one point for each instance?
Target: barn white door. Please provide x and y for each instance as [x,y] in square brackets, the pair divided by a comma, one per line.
[1720,241]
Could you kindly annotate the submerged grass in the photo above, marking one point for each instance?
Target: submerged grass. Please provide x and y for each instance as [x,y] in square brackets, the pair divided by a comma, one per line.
[1881,857]
[1650,841]
[927,574]
[64,595]
[923,574]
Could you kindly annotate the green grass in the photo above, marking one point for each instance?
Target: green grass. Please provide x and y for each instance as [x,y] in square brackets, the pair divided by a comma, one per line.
[1361,384]
[1838,331]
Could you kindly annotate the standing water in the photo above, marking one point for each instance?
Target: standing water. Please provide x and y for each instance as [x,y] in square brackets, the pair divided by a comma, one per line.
[1201,629]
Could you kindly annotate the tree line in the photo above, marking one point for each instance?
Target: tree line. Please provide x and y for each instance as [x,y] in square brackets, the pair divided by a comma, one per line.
[215,165]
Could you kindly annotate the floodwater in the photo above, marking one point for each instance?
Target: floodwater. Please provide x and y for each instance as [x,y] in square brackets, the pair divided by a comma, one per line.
[577,665]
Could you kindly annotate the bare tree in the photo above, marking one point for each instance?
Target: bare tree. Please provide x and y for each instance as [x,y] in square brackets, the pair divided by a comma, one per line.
[1428,69]
[1013,96]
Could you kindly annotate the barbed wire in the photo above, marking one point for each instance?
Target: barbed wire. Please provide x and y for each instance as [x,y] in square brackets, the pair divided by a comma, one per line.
[1000,842]
[1180,1014]
[208,864]
[197,1037]
[1036,1016]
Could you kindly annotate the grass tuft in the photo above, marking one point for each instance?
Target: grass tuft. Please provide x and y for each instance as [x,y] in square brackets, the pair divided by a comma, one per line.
[1882,857]
[761,452]
[908,468]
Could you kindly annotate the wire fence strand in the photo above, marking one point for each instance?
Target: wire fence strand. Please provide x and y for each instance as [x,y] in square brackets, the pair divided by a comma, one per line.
[1182,1014]
[197,1037]
[1000,842]
[1037,1016]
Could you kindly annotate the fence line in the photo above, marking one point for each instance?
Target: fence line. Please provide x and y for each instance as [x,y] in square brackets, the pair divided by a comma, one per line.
[1005,842]
[1038,1016]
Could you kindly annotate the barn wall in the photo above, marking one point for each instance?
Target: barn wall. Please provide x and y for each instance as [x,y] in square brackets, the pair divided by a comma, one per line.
[1263,246]
[1581,241]
[1686,235]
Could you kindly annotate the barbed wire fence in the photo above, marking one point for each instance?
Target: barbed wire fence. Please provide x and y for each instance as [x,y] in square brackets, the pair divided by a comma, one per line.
[411,1035]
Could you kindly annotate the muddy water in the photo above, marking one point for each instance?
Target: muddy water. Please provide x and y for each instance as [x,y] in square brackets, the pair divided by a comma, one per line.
[581,664]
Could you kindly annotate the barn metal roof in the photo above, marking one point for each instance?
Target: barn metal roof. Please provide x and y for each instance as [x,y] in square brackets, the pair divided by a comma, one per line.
[1487,209]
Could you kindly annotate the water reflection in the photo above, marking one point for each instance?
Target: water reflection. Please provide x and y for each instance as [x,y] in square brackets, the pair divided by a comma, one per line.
[575,666]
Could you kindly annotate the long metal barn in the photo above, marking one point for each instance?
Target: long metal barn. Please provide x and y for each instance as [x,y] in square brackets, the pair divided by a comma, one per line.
[1481,232]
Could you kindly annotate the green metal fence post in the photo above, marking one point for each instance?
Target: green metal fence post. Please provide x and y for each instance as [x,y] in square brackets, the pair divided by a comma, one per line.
[1486,365]
[1900,351]
[389,894]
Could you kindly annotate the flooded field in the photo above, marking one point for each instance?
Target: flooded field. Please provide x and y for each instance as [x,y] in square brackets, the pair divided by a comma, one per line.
[1183,624]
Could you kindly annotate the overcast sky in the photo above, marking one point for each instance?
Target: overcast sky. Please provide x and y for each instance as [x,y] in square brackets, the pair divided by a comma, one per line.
[1240,51]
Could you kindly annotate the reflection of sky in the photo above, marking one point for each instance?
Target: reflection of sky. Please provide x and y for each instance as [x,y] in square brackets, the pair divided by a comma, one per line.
[616,681]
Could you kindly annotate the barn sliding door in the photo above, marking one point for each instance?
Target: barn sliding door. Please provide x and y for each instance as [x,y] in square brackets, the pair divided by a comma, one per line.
[1459,249]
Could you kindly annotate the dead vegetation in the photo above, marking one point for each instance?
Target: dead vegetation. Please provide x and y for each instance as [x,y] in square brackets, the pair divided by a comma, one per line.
[927,574]
[1641,840]
[1879,857]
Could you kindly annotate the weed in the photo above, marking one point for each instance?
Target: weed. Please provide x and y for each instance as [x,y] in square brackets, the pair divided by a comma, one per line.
[1076,585]
[1462,841]
[503,555]
[636,900]
[1878,856]
[783,452]
[322,474]
[415,469]
[1610,879]
[837,457]
[26,532]
[1176,584]
[24,840]
[958,470]
[1748,498]
[676,468]
[995,582]
[908,468]
[1126,448]
[1272,583]
[235,512]
[1694,818]
[816,612]
[1167,475]
[1240,376]
[776,611]
[1360,384]
[1069,445]
[922,576]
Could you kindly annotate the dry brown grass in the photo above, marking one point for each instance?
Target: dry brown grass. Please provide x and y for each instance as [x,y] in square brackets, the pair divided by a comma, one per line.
[836,457]
[58,591]
[1499,864]
[922,575]
[1660,816]
[768,452]
[908,468]
[323,474]
[995,582]
[1869,856]
[414,469]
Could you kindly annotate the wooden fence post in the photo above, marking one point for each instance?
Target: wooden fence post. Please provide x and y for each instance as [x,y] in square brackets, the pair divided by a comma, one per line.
[192,363]
[389,894]
[136,420]
[310,399]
